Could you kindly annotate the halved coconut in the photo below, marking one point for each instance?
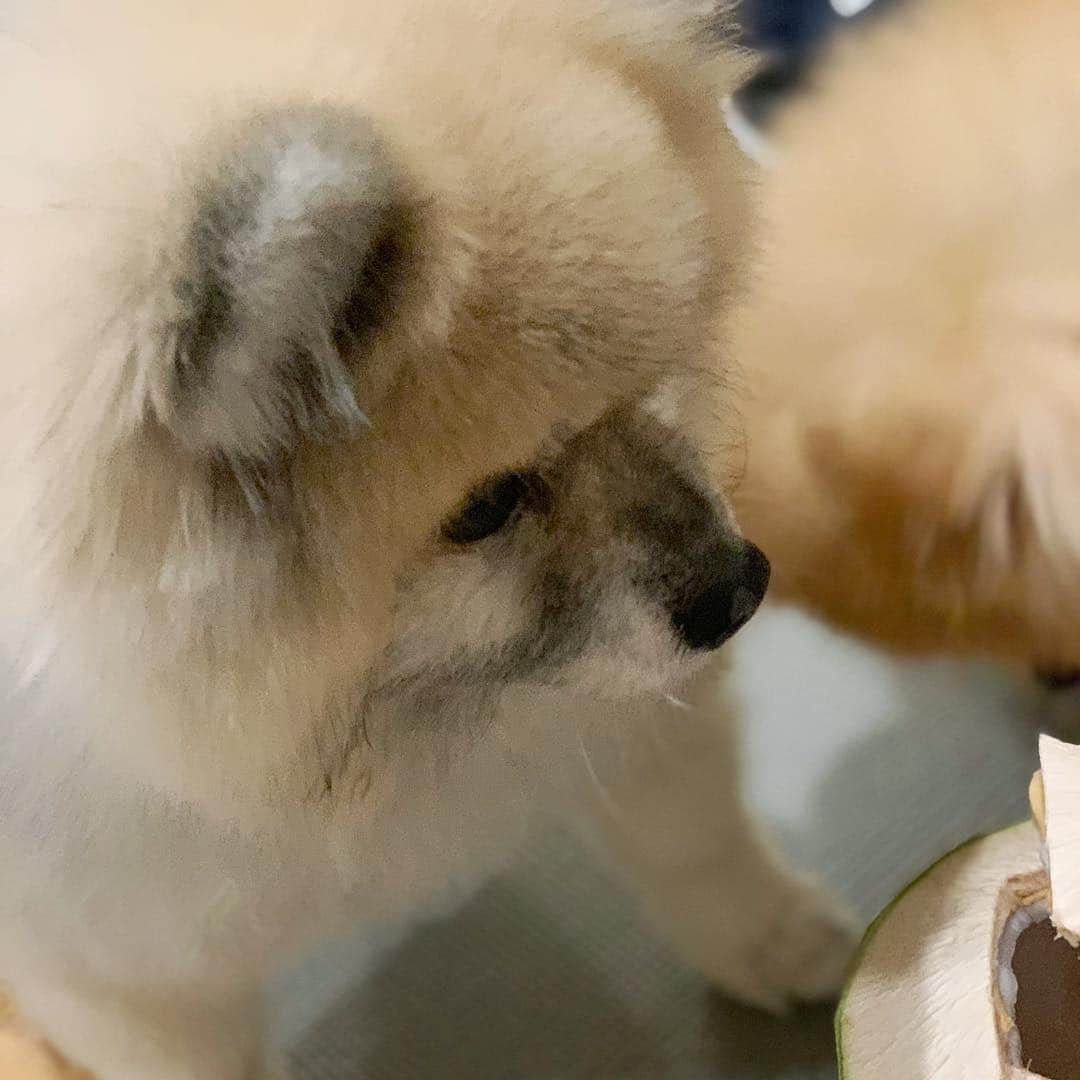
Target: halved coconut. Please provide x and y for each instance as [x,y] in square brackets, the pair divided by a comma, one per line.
[970,974]
[921,1001]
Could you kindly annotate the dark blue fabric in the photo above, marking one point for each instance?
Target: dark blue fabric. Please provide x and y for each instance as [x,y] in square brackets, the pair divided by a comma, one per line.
[785,26]
[794,27]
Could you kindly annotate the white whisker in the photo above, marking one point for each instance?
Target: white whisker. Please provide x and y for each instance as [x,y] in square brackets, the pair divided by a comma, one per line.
[608,803]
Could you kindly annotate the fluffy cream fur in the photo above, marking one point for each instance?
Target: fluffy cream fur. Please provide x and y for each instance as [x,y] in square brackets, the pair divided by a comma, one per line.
[911,347]
[280,287]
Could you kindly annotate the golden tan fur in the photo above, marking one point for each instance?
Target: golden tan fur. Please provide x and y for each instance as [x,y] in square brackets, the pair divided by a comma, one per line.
[287,293]
[22,1054]
[911,347]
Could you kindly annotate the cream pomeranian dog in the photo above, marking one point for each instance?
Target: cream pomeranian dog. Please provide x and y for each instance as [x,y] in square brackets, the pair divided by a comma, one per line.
[912,347]
[348,510]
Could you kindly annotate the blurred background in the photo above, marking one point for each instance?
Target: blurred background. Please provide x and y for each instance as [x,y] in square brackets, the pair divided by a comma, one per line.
[866,770]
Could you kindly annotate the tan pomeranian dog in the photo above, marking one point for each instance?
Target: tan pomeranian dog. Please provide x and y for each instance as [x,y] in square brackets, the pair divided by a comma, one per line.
[912,348]
[348,512]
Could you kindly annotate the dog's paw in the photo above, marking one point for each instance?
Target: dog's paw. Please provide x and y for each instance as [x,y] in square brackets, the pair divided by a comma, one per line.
[798,953]
[767,938]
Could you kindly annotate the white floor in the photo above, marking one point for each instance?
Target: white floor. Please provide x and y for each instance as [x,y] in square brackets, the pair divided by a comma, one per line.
[868,768]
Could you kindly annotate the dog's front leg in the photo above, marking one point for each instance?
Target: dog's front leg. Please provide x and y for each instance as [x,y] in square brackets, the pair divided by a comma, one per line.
[669,812]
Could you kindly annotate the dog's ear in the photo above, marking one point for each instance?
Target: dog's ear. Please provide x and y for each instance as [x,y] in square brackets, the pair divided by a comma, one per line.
[295,256]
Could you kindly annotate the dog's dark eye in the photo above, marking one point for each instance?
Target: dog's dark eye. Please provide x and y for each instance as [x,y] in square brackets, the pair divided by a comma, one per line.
[489,508]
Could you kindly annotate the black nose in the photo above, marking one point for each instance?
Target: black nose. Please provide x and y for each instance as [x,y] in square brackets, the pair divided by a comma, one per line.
[725,602]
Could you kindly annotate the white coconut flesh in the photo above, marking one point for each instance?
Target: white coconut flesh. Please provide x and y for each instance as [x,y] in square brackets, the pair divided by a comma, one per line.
[933,996]
[1061,812]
